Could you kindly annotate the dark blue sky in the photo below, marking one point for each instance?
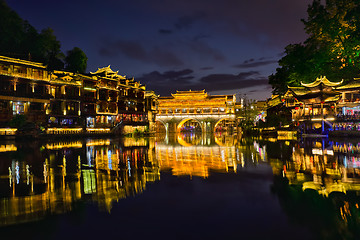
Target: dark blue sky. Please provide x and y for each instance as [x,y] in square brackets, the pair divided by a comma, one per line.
[222,46]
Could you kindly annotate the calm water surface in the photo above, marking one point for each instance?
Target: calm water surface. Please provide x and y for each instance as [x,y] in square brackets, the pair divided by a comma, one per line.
[180,187]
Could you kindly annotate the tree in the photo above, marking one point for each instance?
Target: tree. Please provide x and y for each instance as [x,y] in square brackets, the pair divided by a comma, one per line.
[14,32]
[21,40]
[49,50]
[336,26]
[76,60]
[332,48]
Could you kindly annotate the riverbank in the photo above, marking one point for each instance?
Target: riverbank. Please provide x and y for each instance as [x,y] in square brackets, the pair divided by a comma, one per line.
[13,133]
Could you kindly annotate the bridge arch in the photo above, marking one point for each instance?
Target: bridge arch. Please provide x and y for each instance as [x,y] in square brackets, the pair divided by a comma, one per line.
[163,123]
[222,120]
[183,121]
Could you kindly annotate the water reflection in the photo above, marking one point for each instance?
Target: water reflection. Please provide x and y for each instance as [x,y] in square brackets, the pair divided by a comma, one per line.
[196,155]
[316,181]
[318,184]
[42,178]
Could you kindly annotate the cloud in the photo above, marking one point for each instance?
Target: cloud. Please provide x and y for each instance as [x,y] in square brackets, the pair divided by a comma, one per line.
[168,77]
[216,82]
[135,50]
[225,78]
[168,82]
[204,50]
[274,22]
[186,21]
[251,63]
[165,31]
[206,68]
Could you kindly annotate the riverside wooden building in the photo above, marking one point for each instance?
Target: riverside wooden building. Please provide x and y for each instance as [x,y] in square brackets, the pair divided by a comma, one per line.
[323,106]
[71,102]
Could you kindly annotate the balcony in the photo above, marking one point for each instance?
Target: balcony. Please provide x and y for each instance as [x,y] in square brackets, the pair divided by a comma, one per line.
[24,75]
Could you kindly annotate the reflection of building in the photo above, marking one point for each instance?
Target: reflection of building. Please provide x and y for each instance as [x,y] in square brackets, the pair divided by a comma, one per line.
[199,154]
[196,160]
[196,110]
[57,99]
[195,156]
[48,178]
[323,166]
[320,180]
[50,181]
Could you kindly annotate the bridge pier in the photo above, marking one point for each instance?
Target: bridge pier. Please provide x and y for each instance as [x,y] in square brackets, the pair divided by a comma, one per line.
[173,123]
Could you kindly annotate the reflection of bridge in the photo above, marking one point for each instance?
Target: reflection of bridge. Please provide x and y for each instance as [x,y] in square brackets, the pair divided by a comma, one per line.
[198,110]
[196,160]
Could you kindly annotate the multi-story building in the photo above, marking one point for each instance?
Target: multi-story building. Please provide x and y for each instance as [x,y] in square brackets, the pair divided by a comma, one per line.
[24,89]
[151,106]
[323,106]
[64,108]
[66,102]
[120,101]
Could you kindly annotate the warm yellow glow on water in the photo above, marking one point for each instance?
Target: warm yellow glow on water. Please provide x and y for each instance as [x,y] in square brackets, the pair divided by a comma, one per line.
[8,148]
[55,175]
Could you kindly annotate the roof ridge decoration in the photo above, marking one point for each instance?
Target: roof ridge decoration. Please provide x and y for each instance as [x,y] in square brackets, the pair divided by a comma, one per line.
[109,73]
[190,94]
[321,80]
[352,84]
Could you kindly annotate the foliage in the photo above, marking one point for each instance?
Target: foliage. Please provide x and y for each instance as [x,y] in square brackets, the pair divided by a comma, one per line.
[49,50]
[76,60]
[332,47]
[19,39]
[18,121]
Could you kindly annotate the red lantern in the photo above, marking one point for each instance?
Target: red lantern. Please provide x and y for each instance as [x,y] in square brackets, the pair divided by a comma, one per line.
[283,100]
[296,108]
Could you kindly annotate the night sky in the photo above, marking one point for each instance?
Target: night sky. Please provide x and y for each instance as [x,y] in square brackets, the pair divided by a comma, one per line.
[222,46]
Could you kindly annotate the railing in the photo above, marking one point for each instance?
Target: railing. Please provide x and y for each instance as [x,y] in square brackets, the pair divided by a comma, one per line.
[97,130]
[24,75]
[57,131]
[8,131]
[192,114]
[67,96]
[25,94]
[348,118]
[316,118]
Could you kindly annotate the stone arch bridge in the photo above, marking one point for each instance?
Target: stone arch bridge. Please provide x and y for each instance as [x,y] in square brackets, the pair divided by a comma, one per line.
[207,122]
[197,107]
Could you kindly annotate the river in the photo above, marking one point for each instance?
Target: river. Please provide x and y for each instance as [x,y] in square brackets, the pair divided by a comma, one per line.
[185,186]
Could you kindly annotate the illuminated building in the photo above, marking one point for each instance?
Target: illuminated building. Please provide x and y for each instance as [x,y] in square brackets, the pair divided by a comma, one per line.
[24,89]
[151,106]
[320,106]
[72,103]
[196,111]
[64,107]
[120,101]
[314,104]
